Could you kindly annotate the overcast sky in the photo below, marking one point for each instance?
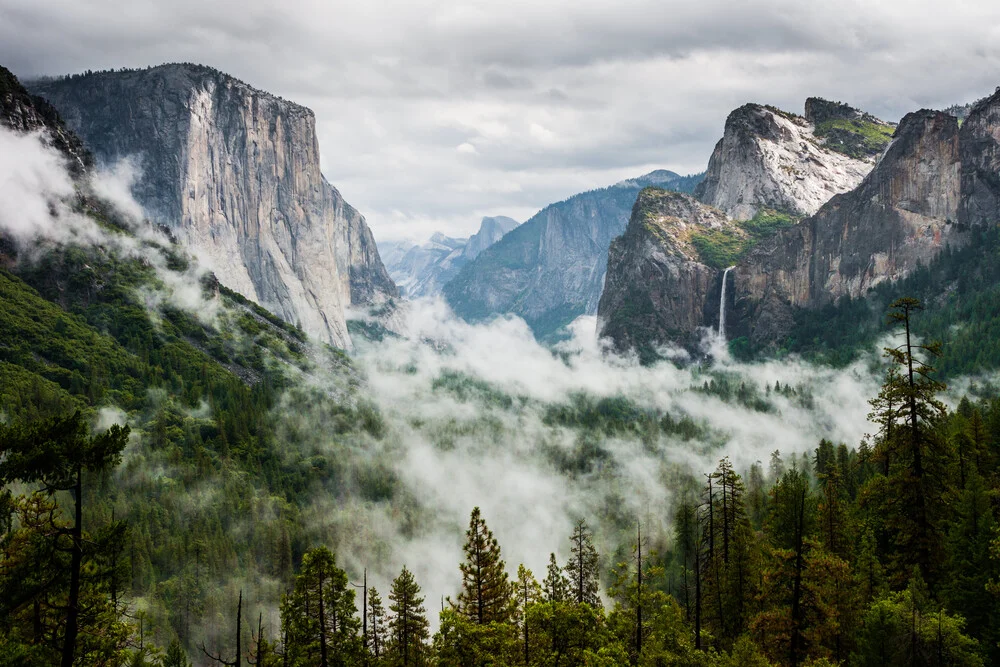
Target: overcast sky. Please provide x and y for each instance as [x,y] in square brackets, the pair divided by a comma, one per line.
[433,113]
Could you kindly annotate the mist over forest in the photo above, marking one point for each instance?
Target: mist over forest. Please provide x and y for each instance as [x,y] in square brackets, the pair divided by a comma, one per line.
[772,437]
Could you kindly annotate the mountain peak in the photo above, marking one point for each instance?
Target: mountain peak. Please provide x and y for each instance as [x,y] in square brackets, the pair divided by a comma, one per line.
[772,159]
[491,230]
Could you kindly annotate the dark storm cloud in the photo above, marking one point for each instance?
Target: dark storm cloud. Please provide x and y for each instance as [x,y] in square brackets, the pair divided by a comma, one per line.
[432,113]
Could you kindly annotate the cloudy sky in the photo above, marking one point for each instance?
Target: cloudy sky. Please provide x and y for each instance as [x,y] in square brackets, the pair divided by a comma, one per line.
[433,113]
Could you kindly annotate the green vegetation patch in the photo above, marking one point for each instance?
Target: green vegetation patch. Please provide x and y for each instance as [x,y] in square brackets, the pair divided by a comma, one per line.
[766,223]
[468,388]
[720,248]
[855,138]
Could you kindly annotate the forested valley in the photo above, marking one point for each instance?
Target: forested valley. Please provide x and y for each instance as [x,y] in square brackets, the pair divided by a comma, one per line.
[884,551]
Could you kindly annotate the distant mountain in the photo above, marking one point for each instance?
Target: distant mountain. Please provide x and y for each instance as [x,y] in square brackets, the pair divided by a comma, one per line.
[550,270]
[423,270]
[491,230]
[234,172]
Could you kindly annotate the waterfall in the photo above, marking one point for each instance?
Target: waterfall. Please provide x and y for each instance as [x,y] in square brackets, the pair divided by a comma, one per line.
[722,304]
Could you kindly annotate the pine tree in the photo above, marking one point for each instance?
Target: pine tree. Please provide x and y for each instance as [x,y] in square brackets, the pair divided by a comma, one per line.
[729,560]
[583,568]
[912,447]
[528,593]
[55,455]
[376,623]
[686,541]
[789,526]
[556,585]
[175,656]
[408,627]
[319,615]
[486,595]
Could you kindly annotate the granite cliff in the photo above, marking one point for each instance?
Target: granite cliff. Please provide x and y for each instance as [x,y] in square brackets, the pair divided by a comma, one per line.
[930,187]
[234,172]
[658,287]
[23,112]
[772,159]
[900,216]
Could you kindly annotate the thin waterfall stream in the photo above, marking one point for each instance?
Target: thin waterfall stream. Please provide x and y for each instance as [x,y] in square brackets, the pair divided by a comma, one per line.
[722,304]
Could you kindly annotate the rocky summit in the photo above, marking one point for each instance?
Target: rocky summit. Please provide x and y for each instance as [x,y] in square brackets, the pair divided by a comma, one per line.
[235,173]
[771,159]
[901,215]
[932,185]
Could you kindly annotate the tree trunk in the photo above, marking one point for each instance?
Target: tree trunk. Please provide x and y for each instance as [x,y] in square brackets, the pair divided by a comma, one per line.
[76,564]
[324,662]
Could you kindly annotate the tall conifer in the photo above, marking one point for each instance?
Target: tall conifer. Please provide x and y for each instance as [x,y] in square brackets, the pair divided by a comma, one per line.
[486,595]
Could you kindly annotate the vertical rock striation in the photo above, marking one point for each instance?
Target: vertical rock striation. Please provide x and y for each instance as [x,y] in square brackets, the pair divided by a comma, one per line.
[235,173]
[980,154]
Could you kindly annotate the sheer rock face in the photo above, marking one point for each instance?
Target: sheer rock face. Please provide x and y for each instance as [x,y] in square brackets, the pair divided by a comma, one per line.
[491,230]
[902,214]
[657,290]
[771,159]
[234,172]
[980,153]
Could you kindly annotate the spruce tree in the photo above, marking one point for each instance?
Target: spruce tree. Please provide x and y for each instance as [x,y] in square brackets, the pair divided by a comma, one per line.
[583,568]
[486,595]
[408,627]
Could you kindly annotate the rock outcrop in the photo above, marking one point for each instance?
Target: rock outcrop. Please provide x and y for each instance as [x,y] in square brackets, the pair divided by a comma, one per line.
[423,270]
[491,230]
[980,155]
[550,270]
[657,289]
[902,214]
[770,159]
[932,183]
[234,172]
[23,112]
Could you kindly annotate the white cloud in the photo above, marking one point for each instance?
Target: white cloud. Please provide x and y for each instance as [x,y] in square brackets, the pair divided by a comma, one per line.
[451,453]
[624,86]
